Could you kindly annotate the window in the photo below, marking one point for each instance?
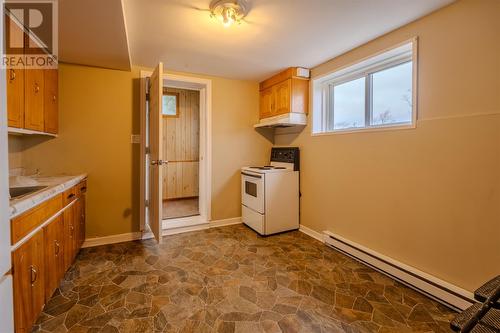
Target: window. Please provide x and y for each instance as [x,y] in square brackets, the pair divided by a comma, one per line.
[375,93]
[170,104]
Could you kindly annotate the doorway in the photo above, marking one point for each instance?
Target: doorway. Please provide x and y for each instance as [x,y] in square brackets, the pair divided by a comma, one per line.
[181,144]
[176,152]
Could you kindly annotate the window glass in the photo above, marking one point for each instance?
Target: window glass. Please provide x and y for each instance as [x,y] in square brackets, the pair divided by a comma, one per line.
[169,105]
[375,92]
[392,95]
[349,104]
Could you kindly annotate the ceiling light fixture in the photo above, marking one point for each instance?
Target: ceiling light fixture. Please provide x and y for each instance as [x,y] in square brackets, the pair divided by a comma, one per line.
[229,11]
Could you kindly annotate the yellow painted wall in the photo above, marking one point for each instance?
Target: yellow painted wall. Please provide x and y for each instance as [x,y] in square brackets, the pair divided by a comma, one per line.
[430,196]
[99,110]
[15,151]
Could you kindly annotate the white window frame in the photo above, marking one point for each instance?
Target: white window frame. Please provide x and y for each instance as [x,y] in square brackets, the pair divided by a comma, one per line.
[322,107]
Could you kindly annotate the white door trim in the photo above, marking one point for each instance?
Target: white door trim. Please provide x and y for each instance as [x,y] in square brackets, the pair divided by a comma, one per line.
[204,86]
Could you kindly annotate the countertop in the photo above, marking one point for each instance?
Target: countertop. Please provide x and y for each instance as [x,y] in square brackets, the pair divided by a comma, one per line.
[56,185]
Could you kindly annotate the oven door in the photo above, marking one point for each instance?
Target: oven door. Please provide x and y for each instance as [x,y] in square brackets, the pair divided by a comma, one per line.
[252,191]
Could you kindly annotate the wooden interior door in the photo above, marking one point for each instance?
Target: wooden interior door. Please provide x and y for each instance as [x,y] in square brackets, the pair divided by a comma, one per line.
[156,151]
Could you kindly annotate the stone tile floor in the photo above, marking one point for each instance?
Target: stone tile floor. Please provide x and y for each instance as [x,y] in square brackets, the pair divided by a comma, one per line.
[231,280]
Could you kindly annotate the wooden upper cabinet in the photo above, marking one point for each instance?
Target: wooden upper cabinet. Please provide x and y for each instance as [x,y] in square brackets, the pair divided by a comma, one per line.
[32,94]
[285,92]
[266,103]
[282,92]
[34,102]
[15,79]
[51,100]
[28,282]
[15,97]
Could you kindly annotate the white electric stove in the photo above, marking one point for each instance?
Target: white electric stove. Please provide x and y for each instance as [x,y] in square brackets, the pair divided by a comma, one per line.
[270,194]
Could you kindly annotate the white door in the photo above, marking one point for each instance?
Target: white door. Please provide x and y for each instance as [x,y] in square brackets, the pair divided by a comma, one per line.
[156,151]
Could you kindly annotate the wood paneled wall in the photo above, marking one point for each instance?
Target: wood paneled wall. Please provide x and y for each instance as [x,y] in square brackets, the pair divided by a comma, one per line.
[181,141]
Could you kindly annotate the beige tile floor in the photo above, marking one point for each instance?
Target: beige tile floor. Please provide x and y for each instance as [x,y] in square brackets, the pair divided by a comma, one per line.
[231,280]
[180,208]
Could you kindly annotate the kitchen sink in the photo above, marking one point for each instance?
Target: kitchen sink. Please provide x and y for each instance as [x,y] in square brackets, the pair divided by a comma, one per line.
[17,192]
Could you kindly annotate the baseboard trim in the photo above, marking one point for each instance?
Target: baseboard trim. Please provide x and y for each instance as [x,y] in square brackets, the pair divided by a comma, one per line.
[225,222]
[183,229]
[312,233]
[113,239]
[433,287]
[132,236]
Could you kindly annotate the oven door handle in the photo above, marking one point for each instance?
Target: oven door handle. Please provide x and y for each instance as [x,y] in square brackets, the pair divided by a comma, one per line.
[250,175]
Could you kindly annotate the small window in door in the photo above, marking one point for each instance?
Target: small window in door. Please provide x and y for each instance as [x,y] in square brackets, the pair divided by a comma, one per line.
[170,104]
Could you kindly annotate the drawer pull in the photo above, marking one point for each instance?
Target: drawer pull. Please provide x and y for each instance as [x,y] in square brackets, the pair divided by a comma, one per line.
[34,275]
[54,98]
[83,189]
[72,195]
[57,248]
[12,76]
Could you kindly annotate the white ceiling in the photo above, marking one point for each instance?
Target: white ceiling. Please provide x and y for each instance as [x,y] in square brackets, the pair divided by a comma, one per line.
[278,34]
[93,33]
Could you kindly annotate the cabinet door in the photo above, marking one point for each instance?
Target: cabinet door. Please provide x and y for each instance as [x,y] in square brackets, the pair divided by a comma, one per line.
[266,103]
[15,97]
[282,93]
[68,236]
[81,236]
[28,278]
[15,79]
[76,231]
[33,100]
[50,100]
[54,255]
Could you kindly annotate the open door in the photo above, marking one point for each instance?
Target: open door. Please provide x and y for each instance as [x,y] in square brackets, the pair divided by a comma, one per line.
[155,89]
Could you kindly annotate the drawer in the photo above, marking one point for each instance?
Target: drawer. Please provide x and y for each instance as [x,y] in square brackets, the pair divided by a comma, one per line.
[82,187]
[27,222]
[69,195]
[252,219]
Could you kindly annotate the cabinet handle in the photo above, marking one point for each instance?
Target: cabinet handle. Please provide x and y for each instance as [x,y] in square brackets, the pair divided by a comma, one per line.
[54,98]
[12,76]
[57,248]
[34,275]
[37,88]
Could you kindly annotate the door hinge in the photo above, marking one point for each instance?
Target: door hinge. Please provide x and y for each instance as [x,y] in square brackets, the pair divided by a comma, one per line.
[147,150]
[147,97]
[146,203]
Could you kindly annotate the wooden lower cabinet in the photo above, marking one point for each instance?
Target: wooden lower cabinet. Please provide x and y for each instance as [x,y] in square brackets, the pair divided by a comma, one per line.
[39,264]
[54,255]
[29,282]
[70,224]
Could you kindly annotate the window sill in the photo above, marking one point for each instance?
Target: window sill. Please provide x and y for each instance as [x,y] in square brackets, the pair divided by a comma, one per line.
[367,129]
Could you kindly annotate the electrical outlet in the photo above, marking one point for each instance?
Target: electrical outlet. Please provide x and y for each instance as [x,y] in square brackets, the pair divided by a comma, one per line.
[135,138]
